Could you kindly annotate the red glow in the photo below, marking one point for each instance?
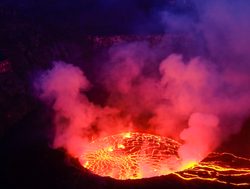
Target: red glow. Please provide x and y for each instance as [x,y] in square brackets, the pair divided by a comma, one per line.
[131,155]
[134,155]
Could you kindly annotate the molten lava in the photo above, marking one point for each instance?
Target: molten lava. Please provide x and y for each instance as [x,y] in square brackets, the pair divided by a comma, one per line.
[224,168]
[131,155]
[134,155]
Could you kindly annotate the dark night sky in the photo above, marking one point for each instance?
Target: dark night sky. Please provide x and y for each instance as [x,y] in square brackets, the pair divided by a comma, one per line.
[103,17]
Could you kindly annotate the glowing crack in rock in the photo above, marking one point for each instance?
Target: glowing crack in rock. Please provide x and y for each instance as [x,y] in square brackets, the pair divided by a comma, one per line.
[134,155]
[225,168]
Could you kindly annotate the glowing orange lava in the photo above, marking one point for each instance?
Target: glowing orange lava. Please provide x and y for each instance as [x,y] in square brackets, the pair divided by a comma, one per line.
[224,168]
[134,155]
[131,156]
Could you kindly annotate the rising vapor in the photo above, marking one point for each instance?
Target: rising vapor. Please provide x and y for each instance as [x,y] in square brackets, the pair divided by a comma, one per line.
[199,100]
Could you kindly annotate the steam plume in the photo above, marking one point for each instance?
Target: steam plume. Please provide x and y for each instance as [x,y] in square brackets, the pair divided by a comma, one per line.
[199,99]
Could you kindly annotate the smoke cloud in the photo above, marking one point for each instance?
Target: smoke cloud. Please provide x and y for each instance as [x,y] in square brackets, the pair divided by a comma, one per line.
[198,99]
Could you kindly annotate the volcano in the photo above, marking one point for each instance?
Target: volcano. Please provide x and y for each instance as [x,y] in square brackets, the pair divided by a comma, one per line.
[135,155]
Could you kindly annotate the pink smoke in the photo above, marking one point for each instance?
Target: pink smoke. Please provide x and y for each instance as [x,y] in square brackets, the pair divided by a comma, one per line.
[198,101]
[184,95]
[63,84]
